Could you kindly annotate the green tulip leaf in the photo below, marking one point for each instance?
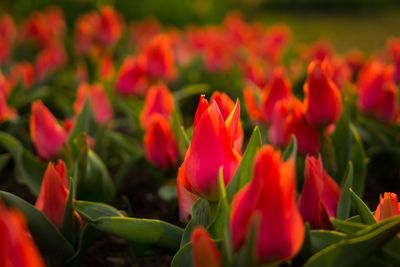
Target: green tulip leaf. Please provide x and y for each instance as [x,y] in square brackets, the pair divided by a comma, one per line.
[201,215]
[358,158]
[365,214]
[358,248]
[142,231]
[28,168]
[244,171]
[344,205]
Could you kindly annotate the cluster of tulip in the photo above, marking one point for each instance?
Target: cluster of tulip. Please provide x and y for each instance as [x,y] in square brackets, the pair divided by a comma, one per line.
[291,196]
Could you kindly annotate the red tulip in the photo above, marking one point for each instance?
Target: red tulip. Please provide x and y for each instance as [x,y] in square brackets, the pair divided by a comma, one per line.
[50,59]
[99,103]
[322,100]
[288,118]
[132,77]
[109,26]
[53,194]
[159,100]
[22,72]
[47,135]
[377,91]
[186,199]
[212,147]
[388,207]
[320,195]
[7,37]
[226,106]
[6,113]
[251,101]
[205,252]
[271,197]
[159,142]
[160,58]
[278,89]
[17,246]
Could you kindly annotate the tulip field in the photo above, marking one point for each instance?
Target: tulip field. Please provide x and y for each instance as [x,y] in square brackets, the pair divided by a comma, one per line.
[134,143]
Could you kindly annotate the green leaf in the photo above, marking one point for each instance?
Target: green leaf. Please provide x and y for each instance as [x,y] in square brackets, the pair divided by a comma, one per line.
[247,254]
[28,169]
[358,158]
[291,149]
[244,171]
[82,124]
[365,214]
[344,205]
[143,231]
[96,184]
[341,140]
[93,211]
[184,256]
[348,227]
[201,215]
[47,237]
[356,249]
[321,239]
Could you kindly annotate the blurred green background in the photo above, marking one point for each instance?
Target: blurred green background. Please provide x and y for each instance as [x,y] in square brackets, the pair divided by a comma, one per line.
[365,24]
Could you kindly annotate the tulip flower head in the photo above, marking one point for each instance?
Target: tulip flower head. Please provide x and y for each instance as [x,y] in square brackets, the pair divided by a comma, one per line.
[17,246]
[159,100]
[388,207]
[205,252]
[132,77]
[54,191]
[320,195]
[322,100]
[211,147]
[47,135]
[270,196]
[99,103]
[159,142]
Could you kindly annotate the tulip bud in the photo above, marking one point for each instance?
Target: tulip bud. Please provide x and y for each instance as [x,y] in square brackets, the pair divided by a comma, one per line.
[110,26]
[322,100]
[159,142]
[231,114]
[159,100]
[54,191]
[288,119]
[320,195]
[205,252]
[160,58]
[388,207]
[211,147]
[251,102]
[17,246]
[46,134]
[270,196]
[132,78]
[99,103]
[278,89]
[377,91]
[6,113]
